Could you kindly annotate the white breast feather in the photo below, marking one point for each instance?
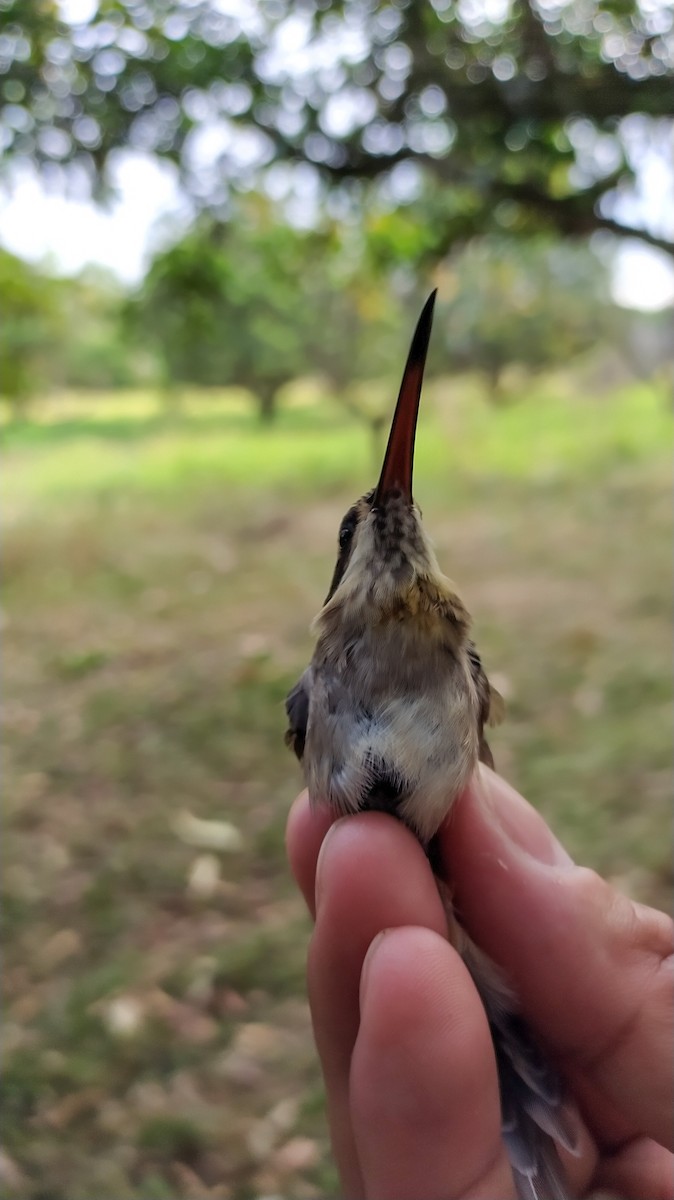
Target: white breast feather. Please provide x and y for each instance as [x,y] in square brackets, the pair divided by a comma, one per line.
[424,730]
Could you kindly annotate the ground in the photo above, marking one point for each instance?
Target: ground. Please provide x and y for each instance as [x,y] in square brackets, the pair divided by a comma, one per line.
[160,578]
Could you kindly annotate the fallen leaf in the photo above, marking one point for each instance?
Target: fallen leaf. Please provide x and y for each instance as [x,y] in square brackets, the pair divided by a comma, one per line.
[70,1107]
[267,1184]
[207,835]
[239,1069]
[299,1154]
[230,1003]
[123,1016]
[261,1139]
[204,877]
[11,1175]
[194,1188]
[184,1019]
[17,1037]
[257,1040]
[62,946]
[264,1134]
[284,1114]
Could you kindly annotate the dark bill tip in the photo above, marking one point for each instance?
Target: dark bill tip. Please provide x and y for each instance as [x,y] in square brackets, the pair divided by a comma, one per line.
[396,472]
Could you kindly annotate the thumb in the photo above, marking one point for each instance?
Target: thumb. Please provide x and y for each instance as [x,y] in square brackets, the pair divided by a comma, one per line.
[592,970]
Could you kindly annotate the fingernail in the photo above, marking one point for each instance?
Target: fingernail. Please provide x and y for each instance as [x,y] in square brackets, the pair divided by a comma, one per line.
[365,970]
[518,822]
[320,862]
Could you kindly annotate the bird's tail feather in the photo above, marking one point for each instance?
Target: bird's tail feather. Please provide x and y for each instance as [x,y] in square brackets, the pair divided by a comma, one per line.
[534,1114]
[535,1111]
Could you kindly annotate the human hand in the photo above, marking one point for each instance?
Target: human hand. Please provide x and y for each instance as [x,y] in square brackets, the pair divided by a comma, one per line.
[404,1044]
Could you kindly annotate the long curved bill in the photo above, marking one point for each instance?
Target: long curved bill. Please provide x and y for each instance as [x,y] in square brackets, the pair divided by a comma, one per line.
[399,458]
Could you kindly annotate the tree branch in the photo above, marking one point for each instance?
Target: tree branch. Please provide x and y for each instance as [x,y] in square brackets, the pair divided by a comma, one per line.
[576,215]
[629,231]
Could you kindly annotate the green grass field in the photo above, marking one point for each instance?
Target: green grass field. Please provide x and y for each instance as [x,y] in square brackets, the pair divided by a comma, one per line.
[160,578]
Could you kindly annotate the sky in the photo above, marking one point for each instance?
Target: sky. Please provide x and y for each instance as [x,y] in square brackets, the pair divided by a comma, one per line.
[148,207]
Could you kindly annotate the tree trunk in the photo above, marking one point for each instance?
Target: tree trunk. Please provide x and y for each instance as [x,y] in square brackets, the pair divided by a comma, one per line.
[495,391]
[266,402]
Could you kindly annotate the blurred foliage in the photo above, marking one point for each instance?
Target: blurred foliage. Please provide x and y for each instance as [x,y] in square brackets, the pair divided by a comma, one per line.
[61,332]
[258,303]
[534,303]
[30,327]
[243,303]
[525,112]
[94,351]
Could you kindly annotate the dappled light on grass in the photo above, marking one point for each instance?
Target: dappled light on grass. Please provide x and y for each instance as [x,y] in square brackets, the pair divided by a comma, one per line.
[158,590]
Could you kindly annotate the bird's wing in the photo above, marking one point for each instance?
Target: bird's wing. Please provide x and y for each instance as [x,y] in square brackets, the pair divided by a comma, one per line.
[297,708]
[492,708]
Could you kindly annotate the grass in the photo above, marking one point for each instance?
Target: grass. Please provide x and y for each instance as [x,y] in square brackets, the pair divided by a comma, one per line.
[114,453]
[159,581]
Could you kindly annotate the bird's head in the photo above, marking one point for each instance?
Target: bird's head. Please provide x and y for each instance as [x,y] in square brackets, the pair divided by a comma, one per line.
[386,567]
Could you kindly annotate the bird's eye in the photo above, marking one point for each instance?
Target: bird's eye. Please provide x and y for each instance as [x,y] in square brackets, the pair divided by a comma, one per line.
[347,530]
[345,535]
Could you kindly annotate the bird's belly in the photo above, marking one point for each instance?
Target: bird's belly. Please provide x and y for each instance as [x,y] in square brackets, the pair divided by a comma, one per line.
[410,756]
[426,807]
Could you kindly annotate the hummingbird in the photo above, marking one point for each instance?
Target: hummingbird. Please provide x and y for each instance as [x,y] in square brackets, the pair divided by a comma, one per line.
[390,715]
